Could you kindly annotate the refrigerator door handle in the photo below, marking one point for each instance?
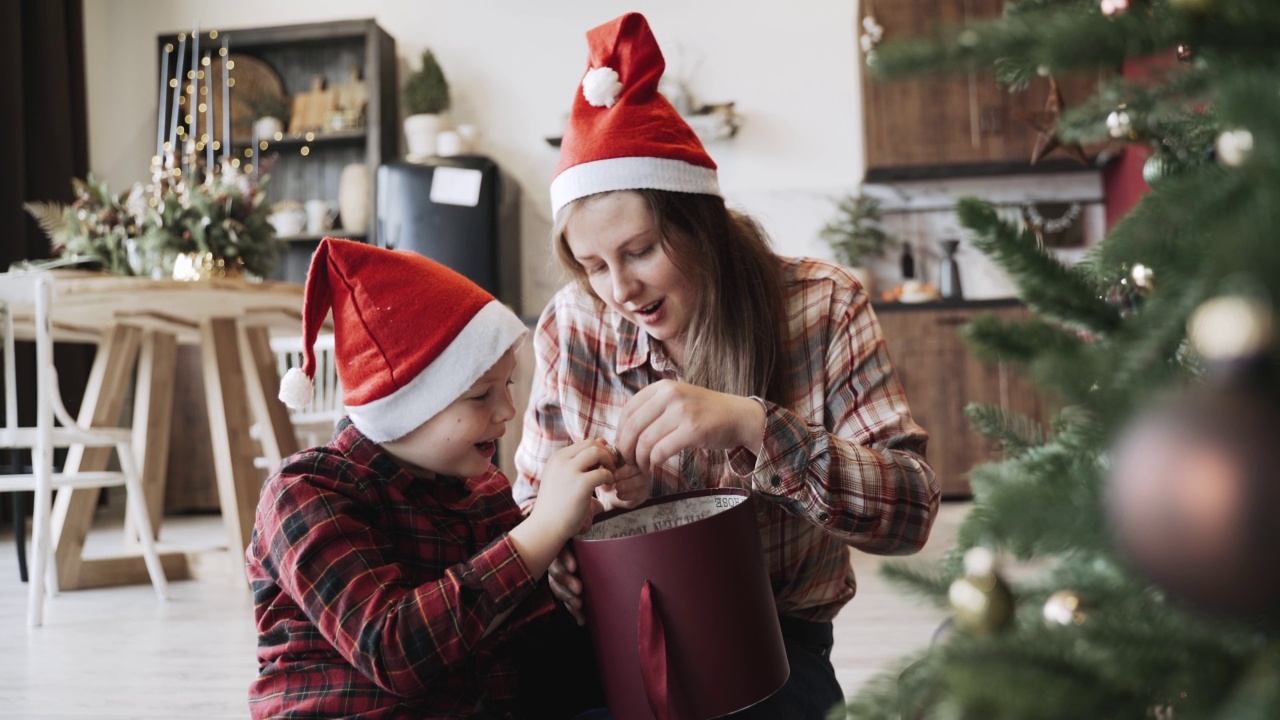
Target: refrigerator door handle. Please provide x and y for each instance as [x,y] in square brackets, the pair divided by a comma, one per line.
[388,240]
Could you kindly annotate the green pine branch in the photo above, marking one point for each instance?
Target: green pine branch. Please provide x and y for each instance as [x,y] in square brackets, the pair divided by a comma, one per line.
[1016,433]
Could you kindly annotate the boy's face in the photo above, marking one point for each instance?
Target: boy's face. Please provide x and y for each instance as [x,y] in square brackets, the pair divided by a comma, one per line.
[460,440]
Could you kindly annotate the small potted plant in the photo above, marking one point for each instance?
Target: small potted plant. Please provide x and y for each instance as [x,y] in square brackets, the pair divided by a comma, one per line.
[426,98]
[855,235]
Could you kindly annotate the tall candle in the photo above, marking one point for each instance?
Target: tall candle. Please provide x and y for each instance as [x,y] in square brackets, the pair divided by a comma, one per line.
[208,119]
[178,91]
[226,100]
[164,86]
[193,108]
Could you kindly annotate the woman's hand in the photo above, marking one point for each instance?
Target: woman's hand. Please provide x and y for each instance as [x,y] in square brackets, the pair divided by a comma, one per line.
[669,416]
[565,584]
[629,488]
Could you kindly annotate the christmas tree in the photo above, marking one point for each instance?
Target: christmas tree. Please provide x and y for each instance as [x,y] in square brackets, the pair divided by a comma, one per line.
[1123,562]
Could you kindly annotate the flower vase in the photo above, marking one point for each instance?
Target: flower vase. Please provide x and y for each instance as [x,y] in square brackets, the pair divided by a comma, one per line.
[204,266]
[353,198]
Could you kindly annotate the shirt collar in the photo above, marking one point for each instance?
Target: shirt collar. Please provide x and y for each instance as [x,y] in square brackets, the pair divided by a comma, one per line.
[632,344]
[635,347]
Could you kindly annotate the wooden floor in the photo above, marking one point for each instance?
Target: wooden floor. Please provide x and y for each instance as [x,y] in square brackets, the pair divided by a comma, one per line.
[119,653]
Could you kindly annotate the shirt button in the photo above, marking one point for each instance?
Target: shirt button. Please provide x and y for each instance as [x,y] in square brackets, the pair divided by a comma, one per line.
[823,517]
[695,484]
[775,481]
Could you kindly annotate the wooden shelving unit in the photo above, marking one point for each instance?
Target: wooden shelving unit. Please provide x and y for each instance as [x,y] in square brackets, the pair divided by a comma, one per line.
[308,166]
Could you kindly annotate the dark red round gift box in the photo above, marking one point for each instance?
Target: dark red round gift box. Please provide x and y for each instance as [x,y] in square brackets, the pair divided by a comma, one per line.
[683,619]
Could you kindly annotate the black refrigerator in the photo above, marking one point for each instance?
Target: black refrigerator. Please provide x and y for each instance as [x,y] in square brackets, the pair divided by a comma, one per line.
[463,212]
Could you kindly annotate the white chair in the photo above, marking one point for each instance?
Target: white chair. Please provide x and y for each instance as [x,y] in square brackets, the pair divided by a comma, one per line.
[314,424]
[35,290]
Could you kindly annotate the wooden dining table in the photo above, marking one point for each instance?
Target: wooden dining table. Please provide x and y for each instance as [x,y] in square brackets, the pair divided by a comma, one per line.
[137,324]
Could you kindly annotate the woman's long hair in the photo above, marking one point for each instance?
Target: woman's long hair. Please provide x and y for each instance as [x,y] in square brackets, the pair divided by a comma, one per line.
[736,336]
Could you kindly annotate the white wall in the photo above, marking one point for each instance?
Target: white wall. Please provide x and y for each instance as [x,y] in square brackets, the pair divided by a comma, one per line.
[513,68]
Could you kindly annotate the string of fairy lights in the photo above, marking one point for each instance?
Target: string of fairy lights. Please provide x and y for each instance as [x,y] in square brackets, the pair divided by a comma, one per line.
[185,152]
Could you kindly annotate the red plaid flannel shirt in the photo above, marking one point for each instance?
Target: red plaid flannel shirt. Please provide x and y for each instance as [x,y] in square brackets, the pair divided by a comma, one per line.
[373,588]
[842,467]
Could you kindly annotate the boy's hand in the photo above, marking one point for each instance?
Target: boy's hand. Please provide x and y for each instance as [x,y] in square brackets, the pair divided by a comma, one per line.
[566,501]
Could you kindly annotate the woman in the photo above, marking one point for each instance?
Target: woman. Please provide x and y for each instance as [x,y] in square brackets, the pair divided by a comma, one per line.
[712,361]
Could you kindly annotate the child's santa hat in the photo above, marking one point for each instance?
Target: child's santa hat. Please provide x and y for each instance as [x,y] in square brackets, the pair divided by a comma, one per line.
[410,335]
[623,134]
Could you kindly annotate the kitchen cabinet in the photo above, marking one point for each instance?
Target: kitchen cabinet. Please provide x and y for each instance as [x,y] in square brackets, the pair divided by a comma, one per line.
[952,126]
[940,378]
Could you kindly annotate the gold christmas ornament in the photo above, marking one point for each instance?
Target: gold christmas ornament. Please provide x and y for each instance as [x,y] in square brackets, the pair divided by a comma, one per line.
[981,602]
[1119,124]
[1234,147]
[1231,327]
[1143,278]
[1064,608]
[1112,8]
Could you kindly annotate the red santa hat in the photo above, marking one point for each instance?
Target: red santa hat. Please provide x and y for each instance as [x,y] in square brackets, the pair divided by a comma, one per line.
[623,134]
[410,335]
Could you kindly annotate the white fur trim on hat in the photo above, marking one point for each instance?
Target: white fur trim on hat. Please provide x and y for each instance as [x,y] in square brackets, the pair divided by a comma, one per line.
[600,86]
[630,173]
[487,336]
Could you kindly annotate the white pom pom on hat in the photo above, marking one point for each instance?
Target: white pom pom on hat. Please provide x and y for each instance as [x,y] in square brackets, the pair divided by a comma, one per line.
[600,86]
[296,389]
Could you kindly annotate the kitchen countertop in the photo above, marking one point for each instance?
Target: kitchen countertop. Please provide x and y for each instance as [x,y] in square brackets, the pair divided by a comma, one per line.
[945,304]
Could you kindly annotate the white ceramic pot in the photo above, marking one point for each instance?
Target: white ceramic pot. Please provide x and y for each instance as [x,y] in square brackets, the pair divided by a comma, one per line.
[288,223]
[448,143]
[320,214]
[266,128]
[420,133]
[353,198]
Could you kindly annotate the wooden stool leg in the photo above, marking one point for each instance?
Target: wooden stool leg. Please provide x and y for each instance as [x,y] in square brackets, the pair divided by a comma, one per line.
[279,439]
[152,420]
[229,421]
[102,405]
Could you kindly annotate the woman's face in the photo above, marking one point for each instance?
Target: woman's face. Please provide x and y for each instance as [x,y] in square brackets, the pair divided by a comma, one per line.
[614,238]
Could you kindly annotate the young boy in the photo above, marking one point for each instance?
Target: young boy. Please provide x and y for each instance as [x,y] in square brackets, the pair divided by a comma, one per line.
[391,567]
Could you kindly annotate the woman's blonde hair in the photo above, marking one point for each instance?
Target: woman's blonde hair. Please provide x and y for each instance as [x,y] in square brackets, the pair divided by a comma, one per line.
[736,337]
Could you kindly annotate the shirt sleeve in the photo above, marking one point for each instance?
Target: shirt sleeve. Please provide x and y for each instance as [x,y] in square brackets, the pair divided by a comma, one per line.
[322,553]
[861,473]
[544,430]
